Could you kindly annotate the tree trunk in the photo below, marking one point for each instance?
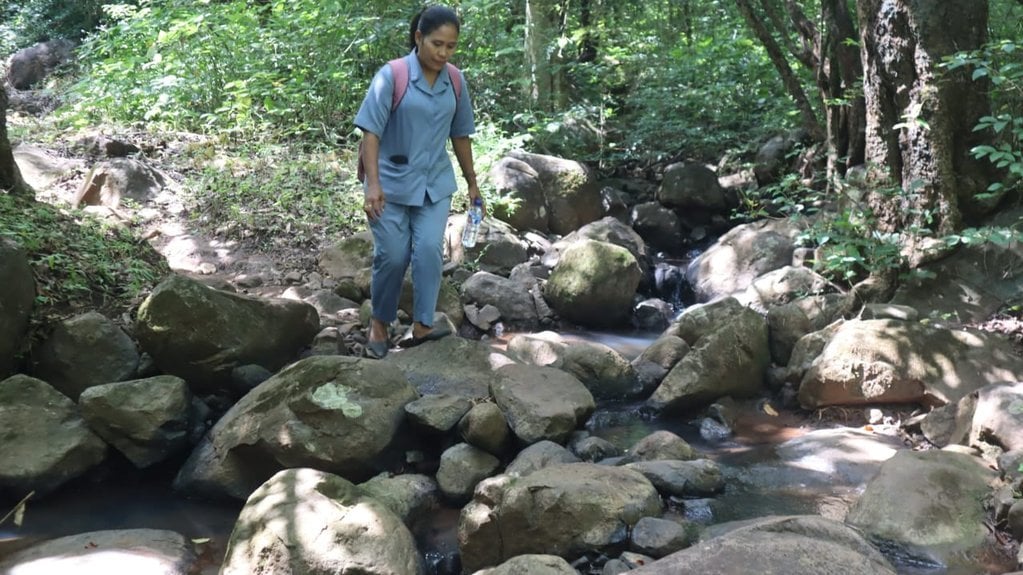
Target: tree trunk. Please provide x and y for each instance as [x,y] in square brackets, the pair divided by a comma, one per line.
[792,83]
[542,28]
[839,72]
[10,176]
[920,127]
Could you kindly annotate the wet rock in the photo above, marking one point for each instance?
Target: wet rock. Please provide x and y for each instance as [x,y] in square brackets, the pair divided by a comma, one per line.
[653,314]
[658,226]
[308,521]
[461,467]
[84,351]
[601,369]
[485,427]
[147,420]
[565,510]
[317,400]
[245,378]
[771,544]
[657,360]
[437,412]
[840,456]
[593,449]
[713,430]
[659,537]
[696,478]
[541,402]
[731,360]
[661,445]
[201,334]
[538,456]
[46,443]
[902,503]
[136,551]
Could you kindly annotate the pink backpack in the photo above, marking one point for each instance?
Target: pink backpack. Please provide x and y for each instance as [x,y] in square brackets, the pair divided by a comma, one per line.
[399,70]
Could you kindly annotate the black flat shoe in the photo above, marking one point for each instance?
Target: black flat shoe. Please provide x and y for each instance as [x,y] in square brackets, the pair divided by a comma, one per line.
[438,332]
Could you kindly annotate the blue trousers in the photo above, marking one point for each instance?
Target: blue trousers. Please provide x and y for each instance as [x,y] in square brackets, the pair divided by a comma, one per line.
[404,234]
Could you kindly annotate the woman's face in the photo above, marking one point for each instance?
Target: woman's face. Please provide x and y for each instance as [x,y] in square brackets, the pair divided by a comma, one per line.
[436,47]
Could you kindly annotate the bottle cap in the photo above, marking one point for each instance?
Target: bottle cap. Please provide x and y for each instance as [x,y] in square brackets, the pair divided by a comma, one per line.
[478,201]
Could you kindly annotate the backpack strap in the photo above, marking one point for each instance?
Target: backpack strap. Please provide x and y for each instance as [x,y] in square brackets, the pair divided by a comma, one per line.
[399,71]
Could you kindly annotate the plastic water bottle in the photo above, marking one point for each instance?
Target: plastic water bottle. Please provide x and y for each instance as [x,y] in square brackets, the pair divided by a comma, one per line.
[473,217]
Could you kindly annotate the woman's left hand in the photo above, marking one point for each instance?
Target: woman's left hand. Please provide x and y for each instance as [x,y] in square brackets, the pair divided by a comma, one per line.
[474,192]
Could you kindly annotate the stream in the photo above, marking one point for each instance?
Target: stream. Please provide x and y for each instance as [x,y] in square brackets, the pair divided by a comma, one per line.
[766,474]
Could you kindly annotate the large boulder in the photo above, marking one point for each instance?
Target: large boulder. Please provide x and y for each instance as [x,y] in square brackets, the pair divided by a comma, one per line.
[40,168]
[200,334]
[454,366]
[147,420]
[799,545]
[688,186]
[541,402]
[893,361]
[593,284]
[27,67]
[601,369]
[563,510]
[511,298]
[135,551]
[614,232]
[307,522]
[555,195]
[995,416]
[110,181]
[730,359]
[740,256]
[926,498]
[84,351]
[789,322]
[297,419]
[46,443]
[17,294]
[348,257]
[658,226]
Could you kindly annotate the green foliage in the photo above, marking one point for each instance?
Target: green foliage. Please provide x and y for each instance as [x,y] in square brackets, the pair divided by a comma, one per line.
[79,262]
[26,22]
[1001,64]
[274,196]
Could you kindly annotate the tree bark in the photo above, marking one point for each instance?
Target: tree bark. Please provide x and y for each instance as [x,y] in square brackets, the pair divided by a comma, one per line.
[792,83]
[542,29]
[927,155]
[838,75]
[10,176]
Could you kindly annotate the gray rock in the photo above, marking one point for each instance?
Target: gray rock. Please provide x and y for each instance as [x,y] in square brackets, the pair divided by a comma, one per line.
[565,510]
[461,467]
[661,445]
[740,256]
[452,366]
[698,477]
[110,181]
[657,360]
[731,360]
[901,504]
[891,361]
[689,186]
[147,420]
[308,521]
[600,368]
[27,67]
[485,427]
[17,294]
[347,259]
[659,537]
[658,226]
[594,449]
[539,455]
[820,546]
[410,496]
[84,351]
[437,412]
[136,551]
[498,248]
[593,284]
[317,400]
[541,402]
[201,334]
[571,195]
[511,298]
[531,564]
[612,231]
[46,443]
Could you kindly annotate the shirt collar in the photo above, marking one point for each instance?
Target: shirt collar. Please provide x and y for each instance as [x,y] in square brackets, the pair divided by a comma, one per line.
[415,74]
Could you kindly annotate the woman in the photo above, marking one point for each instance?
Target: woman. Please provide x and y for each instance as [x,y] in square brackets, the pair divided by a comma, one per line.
[409,179]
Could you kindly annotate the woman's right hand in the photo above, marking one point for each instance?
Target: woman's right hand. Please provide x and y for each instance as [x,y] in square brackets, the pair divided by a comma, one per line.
[373,201]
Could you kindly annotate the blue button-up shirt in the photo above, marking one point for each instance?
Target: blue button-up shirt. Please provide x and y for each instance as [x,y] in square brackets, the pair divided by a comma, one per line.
[417,130]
